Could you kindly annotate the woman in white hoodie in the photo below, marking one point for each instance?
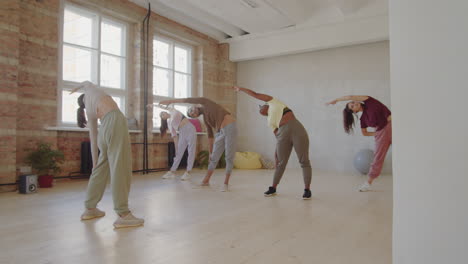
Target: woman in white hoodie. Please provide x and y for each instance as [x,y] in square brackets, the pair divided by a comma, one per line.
[174,121]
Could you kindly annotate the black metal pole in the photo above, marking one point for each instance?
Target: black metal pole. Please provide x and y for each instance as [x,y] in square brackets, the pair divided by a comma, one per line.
[145,33]
[147,87]
[142,83]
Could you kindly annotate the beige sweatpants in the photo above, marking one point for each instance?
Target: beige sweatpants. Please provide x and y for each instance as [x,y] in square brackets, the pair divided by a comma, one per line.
[115,161]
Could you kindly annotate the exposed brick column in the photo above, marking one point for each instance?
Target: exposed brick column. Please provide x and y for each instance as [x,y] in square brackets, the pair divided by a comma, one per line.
[37,74]
[9,56]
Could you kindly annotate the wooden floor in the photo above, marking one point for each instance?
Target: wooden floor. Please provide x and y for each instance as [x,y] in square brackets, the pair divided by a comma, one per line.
[185,224]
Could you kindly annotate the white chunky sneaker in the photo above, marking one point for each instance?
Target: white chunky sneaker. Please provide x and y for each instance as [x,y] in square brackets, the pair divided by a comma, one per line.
[186,176]
[169,175]
[365,187]
[92,213]
[128,221]
[225,188]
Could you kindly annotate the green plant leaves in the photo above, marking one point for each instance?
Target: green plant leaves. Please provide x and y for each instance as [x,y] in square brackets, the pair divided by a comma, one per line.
[44,159]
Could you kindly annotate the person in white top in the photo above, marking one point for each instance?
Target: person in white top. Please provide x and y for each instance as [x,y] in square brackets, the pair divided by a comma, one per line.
[174,121]
[115,157]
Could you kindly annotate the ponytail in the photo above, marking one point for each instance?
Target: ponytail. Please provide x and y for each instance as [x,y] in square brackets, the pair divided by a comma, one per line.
[80,114]
[164,126]
[348,119]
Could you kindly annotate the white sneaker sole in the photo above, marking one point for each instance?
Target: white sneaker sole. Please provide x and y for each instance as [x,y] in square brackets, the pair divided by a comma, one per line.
[269,195]
[125,226]
[305,198]
[84,218]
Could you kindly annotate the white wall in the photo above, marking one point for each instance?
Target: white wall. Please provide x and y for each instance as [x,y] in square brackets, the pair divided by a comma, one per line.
[305,38]
[429,55]
[305,82]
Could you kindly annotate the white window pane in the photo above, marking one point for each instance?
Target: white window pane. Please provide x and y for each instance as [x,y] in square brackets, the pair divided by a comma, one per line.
[78,28]
[181,60]
[156,118]
[182,108]
[77,64]
[69,107]
[161,82]
[111,38]
[111,71]
[161,54]
[181,85]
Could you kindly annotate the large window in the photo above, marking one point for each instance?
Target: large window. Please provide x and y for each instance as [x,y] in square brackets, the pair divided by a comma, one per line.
[172,73]
[93,48]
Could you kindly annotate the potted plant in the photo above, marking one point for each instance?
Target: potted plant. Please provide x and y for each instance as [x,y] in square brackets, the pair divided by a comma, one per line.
[45,160]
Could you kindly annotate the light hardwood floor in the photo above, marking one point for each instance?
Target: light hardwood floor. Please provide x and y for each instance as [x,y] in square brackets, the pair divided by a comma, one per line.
[185,224]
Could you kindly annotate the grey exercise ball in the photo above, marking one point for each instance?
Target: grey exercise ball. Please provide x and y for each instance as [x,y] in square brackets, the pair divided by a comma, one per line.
[363,160]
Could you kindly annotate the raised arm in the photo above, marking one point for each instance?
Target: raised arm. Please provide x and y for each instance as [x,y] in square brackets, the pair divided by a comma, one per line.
[166,107]
[172,101]
[80,86]
[259,96]
[191,100]
[359,98]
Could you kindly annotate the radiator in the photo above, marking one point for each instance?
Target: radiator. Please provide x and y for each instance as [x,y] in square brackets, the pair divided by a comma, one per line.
[86,158]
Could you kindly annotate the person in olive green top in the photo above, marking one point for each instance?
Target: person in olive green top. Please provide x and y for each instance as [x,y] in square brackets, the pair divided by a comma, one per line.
[222,133]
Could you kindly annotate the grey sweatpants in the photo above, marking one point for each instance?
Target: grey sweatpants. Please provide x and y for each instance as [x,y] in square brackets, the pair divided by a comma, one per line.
[225,139]
[115,161]
[292,134]
[187,138]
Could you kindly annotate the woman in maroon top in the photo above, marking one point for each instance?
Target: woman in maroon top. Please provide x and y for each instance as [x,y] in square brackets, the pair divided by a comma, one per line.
[376,115]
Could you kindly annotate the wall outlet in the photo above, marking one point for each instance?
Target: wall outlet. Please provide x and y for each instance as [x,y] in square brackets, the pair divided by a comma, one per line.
[25,169]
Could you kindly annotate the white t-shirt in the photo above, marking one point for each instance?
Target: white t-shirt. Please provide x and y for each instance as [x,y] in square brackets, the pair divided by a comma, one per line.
[174,122]
[275,113]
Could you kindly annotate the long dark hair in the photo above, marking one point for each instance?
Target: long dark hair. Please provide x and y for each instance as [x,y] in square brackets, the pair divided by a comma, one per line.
[348,119]
[163,128]
[80,114]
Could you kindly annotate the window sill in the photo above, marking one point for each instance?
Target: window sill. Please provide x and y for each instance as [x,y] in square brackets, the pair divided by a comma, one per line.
[77,129]
[158,132]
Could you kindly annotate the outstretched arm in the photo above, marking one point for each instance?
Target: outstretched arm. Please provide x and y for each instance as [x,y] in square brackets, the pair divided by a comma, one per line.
[259,96]
[167,107]
[189,100]
[81,85]
[93,132]
[172,101]
[359,98]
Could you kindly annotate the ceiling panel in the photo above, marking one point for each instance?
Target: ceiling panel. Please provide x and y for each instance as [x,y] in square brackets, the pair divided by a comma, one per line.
[234,18]
[264,17]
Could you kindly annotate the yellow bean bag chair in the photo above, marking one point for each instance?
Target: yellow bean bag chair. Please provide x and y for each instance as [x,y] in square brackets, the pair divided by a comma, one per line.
[247,160]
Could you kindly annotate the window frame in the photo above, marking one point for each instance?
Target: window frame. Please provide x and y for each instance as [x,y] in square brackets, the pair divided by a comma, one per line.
[172,45]
[64,85]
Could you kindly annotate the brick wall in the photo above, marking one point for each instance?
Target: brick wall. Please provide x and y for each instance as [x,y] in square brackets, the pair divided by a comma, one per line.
[9,64]
[29,54]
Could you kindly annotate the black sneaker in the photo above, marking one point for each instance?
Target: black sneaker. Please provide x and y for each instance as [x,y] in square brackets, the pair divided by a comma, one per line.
[271,191]
[307,194]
